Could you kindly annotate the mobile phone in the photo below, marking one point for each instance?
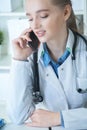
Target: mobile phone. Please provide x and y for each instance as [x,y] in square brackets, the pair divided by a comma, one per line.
[35,41]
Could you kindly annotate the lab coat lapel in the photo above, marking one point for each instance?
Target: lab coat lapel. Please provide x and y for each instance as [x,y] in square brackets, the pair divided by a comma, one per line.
[67,76]
[67,73]
[55,86]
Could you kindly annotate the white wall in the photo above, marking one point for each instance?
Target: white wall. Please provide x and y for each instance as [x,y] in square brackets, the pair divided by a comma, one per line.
[15,28]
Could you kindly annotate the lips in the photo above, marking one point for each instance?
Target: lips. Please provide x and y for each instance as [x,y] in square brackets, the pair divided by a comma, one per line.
[40,33]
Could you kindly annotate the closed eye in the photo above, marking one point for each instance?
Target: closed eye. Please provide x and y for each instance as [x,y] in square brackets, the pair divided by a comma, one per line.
[44,16]
[30,20]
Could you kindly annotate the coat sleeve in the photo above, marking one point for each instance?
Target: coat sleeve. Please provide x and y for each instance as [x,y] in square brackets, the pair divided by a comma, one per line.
[75,118]
[20,104]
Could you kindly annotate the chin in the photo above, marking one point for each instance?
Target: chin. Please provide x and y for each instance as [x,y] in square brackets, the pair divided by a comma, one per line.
[43,40]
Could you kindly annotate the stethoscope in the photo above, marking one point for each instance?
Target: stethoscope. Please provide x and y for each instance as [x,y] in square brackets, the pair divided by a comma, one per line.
[79,90]
[37,97]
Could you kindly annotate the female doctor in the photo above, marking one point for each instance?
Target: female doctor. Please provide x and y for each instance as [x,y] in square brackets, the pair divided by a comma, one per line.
[62,71]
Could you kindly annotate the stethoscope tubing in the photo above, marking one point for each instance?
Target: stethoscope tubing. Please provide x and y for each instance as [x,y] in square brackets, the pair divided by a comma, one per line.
[36,89]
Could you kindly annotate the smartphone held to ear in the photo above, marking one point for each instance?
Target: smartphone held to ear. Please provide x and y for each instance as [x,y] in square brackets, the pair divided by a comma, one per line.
[35,41]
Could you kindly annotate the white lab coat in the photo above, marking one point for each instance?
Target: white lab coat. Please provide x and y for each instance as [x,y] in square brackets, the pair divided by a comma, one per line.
[59,94]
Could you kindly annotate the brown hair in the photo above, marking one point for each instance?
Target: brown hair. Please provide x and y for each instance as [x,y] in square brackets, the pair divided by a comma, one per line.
[71,22]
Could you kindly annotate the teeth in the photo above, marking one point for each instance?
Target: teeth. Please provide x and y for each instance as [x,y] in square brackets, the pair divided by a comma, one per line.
[40,32]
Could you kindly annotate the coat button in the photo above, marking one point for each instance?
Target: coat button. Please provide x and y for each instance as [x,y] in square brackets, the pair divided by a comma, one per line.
[47,75]
[62,69]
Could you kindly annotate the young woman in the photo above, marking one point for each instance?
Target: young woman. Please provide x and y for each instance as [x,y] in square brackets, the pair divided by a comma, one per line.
[61,56]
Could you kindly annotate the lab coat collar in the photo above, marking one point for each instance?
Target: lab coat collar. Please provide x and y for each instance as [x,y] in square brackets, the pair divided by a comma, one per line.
[70,42]
[40,51]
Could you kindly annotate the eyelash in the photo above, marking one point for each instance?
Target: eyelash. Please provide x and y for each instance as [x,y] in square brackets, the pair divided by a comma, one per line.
[40,17]
[44,16]
[30,20]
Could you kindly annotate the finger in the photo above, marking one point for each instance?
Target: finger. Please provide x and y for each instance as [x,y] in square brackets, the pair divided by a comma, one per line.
[26,31]
[19,42]
[25,37]
[32,124]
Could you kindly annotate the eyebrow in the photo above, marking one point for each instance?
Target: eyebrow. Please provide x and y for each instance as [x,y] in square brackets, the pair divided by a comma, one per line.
[38,11]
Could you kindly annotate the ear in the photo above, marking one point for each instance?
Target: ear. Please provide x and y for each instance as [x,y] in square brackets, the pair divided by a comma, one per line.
[67,12]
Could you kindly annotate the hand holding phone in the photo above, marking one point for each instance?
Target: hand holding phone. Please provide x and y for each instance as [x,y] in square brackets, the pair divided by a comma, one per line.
[21,51]
[35,41]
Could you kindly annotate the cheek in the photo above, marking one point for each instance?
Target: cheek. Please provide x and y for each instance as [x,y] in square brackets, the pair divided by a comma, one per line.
[54,23]
[54,26]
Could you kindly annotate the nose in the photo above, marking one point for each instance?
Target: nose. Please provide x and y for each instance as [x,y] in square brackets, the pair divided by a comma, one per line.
[36,24]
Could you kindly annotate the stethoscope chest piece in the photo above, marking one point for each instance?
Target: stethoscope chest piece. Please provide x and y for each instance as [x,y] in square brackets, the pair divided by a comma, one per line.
[37,98]
[81,91]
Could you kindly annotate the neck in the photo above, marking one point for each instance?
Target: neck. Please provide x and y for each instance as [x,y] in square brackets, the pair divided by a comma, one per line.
[57,47]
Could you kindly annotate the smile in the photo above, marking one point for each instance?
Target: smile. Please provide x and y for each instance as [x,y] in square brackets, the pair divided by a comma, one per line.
[40,33]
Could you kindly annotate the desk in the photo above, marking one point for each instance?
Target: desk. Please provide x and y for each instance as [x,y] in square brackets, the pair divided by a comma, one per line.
[10,126]
[20,127]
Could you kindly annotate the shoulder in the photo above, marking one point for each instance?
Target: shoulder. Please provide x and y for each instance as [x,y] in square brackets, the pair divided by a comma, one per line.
[81,48]
[81,42]
[81,55]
